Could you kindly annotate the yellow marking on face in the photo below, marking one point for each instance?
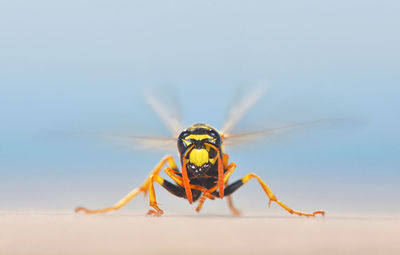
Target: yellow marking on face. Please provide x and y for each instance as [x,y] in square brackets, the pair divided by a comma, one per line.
[208,148]
[198,157]
[186,142]
[198,137]
[213,160]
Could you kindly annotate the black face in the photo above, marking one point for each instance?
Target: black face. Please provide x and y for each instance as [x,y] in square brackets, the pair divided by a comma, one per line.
[199,147]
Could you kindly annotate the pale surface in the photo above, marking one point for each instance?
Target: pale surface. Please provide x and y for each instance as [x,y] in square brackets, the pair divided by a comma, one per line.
[63,233]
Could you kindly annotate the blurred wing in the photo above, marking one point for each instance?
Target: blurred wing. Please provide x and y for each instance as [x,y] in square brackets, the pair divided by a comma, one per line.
[170,116]
[166,105]
[143,142]
[265,133]
[239,109]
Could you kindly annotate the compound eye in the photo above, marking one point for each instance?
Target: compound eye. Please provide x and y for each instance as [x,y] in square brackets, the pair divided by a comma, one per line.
[181,146]
[216,138]
[183,135]
[182,142]
[213,141]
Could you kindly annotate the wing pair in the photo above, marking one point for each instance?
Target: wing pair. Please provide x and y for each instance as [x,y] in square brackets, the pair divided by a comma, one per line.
[170,116]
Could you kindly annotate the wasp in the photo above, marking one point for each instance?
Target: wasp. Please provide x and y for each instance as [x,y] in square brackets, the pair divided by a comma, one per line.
[204,167]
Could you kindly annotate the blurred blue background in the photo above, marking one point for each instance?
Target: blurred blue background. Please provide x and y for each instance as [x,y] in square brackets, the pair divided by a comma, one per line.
[81,66]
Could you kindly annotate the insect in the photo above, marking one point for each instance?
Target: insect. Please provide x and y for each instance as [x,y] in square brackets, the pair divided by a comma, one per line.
[204,167]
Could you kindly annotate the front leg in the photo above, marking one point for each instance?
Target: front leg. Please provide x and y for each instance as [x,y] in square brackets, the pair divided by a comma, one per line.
[143,188]
[211,193]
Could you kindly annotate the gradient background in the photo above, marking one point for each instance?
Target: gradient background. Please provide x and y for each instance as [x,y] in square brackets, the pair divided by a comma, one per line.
[81,66]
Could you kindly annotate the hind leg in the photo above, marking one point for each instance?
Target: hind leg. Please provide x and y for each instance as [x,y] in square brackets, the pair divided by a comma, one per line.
[272,198]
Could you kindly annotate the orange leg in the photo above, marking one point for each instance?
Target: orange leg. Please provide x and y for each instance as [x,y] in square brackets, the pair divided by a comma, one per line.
[272,197]
[146,186]
[230,168]
[229,198]
[233,209]
[173,174]
[178,179]
[207,193]
[152,196]
[225,160]
[201,202]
